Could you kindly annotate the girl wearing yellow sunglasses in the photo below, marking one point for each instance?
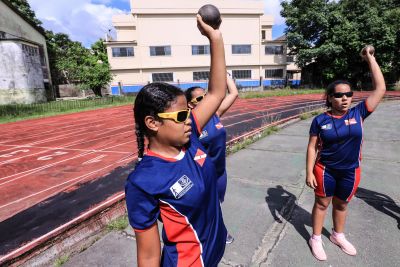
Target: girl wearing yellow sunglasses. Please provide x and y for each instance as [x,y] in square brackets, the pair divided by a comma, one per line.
[175,180]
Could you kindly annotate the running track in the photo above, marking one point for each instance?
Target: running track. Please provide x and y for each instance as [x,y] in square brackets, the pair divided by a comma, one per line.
[46,163]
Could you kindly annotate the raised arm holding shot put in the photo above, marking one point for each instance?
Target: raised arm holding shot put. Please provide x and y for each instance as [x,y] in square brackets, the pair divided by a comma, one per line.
[334,155]
[175,182]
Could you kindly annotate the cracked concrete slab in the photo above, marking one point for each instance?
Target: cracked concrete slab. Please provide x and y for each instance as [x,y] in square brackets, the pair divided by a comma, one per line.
[247,214]
[114,249]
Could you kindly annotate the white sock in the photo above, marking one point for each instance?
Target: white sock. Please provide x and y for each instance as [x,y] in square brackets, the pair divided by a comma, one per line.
[316,237]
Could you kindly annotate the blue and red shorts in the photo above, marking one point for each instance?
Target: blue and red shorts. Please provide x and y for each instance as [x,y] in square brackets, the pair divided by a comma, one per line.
[342,184]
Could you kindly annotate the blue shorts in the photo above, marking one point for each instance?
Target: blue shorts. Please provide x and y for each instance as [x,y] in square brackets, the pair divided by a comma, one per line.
[342,184]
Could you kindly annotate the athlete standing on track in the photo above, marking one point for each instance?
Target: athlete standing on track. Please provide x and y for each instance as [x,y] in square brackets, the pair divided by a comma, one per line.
[175,179]
[334,173]
[213,135]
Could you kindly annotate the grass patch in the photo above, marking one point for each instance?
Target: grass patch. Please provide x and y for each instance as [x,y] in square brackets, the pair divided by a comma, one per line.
[279,92]
[310,114]
[16,112]
[61,260]
[393,88]
[118,224]
[248,141]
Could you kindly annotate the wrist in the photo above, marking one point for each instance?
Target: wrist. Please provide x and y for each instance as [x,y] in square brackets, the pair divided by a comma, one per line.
[216,35]
[371,59]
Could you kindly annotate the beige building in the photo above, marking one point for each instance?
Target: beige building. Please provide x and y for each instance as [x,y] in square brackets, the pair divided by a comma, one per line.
[24,67]
[159,41]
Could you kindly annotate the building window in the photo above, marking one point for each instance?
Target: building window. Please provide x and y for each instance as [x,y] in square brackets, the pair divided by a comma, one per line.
[274,73]
[30,50]
[160,50]
[200,49]
[263,34]
[122,52]
[290,59]
[241,49]
[163,77]
[201,75]
[241,74]
[274,49]
[289,75]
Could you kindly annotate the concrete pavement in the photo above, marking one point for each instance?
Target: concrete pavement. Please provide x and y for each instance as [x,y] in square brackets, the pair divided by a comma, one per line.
[267,207]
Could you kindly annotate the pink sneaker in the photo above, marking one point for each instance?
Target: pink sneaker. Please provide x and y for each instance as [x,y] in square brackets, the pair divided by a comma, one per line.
[341,241]
[317,249]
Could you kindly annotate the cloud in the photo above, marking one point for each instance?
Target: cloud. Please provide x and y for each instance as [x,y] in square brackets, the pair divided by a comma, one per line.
[88,20]
[273,7]
[83,20]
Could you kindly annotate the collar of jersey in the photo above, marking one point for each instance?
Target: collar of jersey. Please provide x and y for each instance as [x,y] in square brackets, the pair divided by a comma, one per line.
[176,158]
[335,116]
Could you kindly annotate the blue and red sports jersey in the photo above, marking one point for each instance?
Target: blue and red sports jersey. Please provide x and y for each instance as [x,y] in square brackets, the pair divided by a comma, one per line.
[213,138]
[182,193]
[340,138]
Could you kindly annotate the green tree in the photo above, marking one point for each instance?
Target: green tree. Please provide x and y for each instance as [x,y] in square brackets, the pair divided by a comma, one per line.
[24,7]
[95,71]
[56,44]
[76,64]
[327,36]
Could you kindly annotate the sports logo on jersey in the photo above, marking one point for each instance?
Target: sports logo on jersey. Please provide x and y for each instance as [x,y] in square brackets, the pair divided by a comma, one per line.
[350,121]
[204,134]
[200,157]
[219,125]
[326,126]
[180,188]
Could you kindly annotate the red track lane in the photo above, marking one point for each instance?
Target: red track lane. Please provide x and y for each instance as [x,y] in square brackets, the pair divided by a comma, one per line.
[42,157]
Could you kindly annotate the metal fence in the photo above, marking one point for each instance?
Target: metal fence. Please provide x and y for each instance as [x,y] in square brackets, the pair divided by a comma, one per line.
[62,106]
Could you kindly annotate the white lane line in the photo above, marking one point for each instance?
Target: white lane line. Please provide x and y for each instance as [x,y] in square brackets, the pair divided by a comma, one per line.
[77,179]
[27,172]
[266,115]
[77,133]
[10,154]
[66,148]
[269,108]
[72,149]
[94,160]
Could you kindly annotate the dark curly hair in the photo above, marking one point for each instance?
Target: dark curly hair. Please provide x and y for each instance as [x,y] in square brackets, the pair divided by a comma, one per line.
[331,89]
[189,92]
[152,99]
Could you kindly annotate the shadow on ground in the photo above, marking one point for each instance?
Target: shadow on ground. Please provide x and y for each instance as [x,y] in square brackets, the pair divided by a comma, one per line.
[280,202]
[380,202]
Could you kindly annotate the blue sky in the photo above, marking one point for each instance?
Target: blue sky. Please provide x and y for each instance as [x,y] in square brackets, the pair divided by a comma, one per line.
[88,20]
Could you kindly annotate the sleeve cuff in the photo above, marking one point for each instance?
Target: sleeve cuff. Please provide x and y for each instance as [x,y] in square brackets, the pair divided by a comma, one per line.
[143,230]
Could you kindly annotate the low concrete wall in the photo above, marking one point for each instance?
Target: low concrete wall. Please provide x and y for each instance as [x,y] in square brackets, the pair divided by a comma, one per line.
[22,96]
[73,90]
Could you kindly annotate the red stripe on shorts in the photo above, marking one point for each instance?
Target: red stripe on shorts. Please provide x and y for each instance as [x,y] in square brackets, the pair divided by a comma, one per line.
[319,171]
[357,176]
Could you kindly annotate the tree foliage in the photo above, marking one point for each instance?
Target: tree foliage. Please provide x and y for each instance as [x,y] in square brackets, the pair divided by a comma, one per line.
[24,7]
[73,63]
[327,37]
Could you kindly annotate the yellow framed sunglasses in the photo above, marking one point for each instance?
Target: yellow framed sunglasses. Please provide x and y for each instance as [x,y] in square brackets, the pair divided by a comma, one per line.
[197,99]
[177,116]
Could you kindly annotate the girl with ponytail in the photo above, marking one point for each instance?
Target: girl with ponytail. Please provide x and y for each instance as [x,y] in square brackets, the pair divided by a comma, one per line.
[175,182]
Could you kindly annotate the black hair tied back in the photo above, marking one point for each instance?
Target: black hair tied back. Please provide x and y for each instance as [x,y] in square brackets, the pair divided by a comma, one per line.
[152,99]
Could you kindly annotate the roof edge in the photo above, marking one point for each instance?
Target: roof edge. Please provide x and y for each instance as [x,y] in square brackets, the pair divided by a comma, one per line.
[40,29]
